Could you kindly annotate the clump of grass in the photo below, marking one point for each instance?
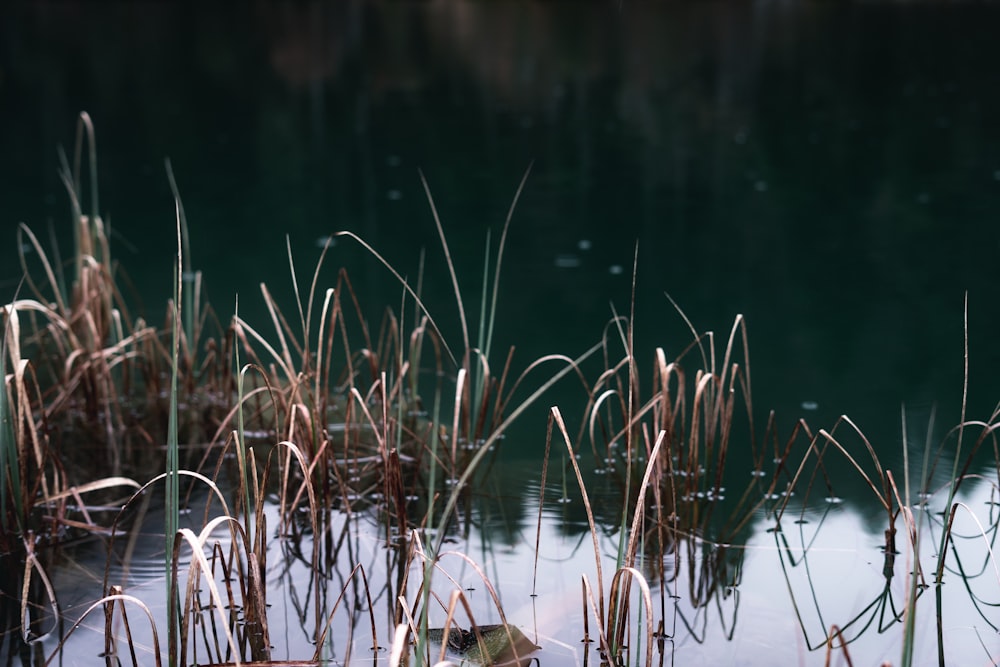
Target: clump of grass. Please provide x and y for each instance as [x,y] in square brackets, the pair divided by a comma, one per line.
[348,429]
[355,413]
[39,505]
[100,370]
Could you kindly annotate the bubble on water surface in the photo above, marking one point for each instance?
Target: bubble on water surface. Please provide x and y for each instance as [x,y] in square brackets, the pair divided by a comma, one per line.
[394,195]
[584,244]
[616,269]
[810,405]
[567,261]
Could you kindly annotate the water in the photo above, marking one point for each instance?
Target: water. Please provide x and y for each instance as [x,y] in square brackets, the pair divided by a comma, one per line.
[830,172]
[773,598]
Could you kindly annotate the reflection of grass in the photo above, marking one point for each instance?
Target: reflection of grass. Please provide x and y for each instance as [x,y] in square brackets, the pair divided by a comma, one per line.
[347,424]
[887,611]
[667,452]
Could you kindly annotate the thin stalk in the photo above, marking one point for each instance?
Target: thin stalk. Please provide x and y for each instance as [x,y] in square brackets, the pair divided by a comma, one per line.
[479,375]
[448,262]
[10,477]
[85,121]
[496,273]
[187,274]
[952,486]
[432,497]
[241,452]
[172,500]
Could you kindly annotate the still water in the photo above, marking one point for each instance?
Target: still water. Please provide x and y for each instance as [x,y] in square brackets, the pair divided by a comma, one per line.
[771,598]
[830,171]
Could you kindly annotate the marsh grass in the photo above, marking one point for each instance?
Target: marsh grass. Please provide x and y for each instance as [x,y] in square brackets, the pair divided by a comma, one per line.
[101,371]
[321,424]
[667,452]
[360,440]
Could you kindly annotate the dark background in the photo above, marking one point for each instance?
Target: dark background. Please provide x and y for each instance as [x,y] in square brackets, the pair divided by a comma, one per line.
[830,170]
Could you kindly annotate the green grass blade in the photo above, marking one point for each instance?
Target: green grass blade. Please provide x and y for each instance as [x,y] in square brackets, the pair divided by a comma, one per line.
[172,497]
[10,476]
[479,376]
[184,256]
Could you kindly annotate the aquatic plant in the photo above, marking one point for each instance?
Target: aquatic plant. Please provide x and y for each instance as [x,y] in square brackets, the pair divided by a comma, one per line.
[328,430]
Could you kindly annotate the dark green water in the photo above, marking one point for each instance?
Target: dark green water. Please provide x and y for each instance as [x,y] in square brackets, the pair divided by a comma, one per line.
[829,170]
[832,172]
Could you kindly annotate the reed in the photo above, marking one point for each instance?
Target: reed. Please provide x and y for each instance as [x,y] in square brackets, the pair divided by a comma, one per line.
[336,426]
[12,491]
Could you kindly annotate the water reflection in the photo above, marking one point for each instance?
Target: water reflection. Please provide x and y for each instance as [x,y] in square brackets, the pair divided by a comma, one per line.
[776,595]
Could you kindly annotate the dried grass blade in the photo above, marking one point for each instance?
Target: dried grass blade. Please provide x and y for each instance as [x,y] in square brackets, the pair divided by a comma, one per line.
[280,325]
[409,290]
[448,262]
[46,266]
[829,437]
[598,615]
[398,645]
[199,564]
[98,485]
[31,564]
[100,604]
[499,264]
[637,513]
[630,574]
[280,359]
[556,416]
